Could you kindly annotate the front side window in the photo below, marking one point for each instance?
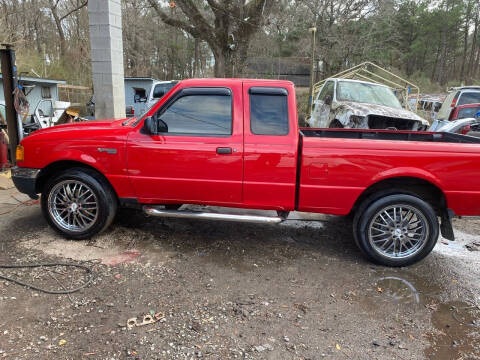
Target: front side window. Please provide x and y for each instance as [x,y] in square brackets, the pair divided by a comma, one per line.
[268,114]
[327,90]
[199,115]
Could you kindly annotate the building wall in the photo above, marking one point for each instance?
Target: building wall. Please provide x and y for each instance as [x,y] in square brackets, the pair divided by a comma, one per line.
[35,95]
[130,86]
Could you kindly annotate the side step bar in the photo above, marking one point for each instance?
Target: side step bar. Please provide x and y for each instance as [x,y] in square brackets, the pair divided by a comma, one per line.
[160,212]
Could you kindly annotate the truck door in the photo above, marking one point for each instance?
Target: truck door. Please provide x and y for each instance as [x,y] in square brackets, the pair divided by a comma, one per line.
[198,155]
[271,141]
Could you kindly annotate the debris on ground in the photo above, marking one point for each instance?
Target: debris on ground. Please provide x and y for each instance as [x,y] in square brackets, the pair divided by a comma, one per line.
[190,290]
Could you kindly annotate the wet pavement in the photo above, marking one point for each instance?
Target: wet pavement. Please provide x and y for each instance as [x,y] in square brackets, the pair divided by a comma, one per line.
[300,290]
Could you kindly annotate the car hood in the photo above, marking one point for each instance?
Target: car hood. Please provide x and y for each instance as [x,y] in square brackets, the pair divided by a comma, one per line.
[364,109]
[86,130]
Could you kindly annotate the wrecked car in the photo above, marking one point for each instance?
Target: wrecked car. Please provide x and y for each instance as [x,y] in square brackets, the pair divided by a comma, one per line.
[354,104]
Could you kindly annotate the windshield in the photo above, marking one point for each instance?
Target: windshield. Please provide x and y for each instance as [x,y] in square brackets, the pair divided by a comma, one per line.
[367,93]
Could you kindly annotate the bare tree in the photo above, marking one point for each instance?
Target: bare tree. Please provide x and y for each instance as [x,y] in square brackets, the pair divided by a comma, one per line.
[59,15]
[227,27]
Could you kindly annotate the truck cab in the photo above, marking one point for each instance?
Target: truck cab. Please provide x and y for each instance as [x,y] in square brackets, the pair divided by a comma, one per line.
[231,143]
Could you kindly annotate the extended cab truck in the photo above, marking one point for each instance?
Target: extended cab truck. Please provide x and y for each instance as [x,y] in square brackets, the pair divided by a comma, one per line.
[236,143]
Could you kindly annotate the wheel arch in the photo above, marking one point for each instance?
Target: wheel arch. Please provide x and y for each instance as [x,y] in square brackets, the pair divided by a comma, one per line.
[411,185]
[48,171]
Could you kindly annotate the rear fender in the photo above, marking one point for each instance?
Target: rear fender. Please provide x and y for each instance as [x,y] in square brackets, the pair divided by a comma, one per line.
[406,172]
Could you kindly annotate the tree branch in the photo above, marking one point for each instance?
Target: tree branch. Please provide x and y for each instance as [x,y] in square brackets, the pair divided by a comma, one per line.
[192,12]
[73,10]
[168,20]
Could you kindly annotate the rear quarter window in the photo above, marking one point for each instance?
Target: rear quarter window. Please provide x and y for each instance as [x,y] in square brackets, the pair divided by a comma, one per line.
[268,114]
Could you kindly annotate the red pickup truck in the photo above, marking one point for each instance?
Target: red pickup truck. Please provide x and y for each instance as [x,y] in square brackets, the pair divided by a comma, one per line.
[236,143]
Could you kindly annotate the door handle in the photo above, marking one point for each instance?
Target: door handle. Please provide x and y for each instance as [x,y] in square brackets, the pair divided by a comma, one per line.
[224,150]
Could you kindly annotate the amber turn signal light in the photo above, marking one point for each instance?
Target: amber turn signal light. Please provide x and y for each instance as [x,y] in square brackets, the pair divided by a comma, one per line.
[19,154]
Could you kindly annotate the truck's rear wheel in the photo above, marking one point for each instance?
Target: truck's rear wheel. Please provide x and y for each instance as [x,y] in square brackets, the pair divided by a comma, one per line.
[396,230]
[78,203]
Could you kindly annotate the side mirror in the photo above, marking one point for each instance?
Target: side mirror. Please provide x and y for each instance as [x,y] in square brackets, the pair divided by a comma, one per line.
[328,100]
[154,126]
[150,126]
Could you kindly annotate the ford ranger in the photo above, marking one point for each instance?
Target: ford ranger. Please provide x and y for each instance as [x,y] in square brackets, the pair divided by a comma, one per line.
[235,143]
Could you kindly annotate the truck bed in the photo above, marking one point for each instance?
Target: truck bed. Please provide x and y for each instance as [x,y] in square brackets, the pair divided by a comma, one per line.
[389,135]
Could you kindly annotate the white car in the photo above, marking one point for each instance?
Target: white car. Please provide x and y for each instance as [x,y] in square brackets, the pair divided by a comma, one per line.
[354,104]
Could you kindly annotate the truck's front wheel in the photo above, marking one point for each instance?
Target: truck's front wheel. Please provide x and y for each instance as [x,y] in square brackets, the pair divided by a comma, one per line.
[78,203]
[396,230]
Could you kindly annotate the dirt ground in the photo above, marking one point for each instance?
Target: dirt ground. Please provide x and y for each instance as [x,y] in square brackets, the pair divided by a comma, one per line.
[215,290]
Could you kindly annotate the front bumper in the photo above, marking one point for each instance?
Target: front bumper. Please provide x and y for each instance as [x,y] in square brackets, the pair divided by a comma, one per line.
[25,180]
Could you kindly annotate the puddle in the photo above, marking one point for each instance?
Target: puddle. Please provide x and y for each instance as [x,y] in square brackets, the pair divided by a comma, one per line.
[456,333]
[398,289]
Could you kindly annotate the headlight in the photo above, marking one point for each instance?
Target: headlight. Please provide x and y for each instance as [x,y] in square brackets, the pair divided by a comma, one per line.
[357,122]
[19,153]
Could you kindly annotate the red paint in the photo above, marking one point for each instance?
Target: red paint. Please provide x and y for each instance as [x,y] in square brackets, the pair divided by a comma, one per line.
[125,257]
[456,110]
[262,172]
[3,151]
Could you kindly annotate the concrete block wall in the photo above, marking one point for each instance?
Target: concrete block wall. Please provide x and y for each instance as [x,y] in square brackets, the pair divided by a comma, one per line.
[105,22]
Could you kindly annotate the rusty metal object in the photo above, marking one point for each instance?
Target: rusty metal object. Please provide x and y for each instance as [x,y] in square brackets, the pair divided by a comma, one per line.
[147,320]
[368,71]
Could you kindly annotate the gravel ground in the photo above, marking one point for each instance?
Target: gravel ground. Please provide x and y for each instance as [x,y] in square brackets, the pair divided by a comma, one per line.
[215,290]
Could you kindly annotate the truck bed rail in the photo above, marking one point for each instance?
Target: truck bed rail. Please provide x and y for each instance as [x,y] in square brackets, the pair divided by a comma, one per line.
[389,135]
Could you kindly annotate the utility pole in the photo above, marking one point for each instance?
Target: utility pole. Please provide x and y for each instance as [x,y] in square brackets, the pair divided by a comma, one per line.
[313,30]
[9,75]
[195,62]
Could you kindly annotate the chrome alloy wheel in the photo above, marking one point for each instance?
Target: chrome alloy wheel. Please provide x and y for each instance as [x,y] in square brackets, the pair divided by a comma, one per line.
[73,205]
[398,231]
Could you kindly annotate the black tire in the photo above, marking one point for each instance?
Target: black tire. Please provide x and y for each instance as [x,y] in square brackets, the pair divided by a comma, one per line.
[106,201]
[335,124]
[368,211]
